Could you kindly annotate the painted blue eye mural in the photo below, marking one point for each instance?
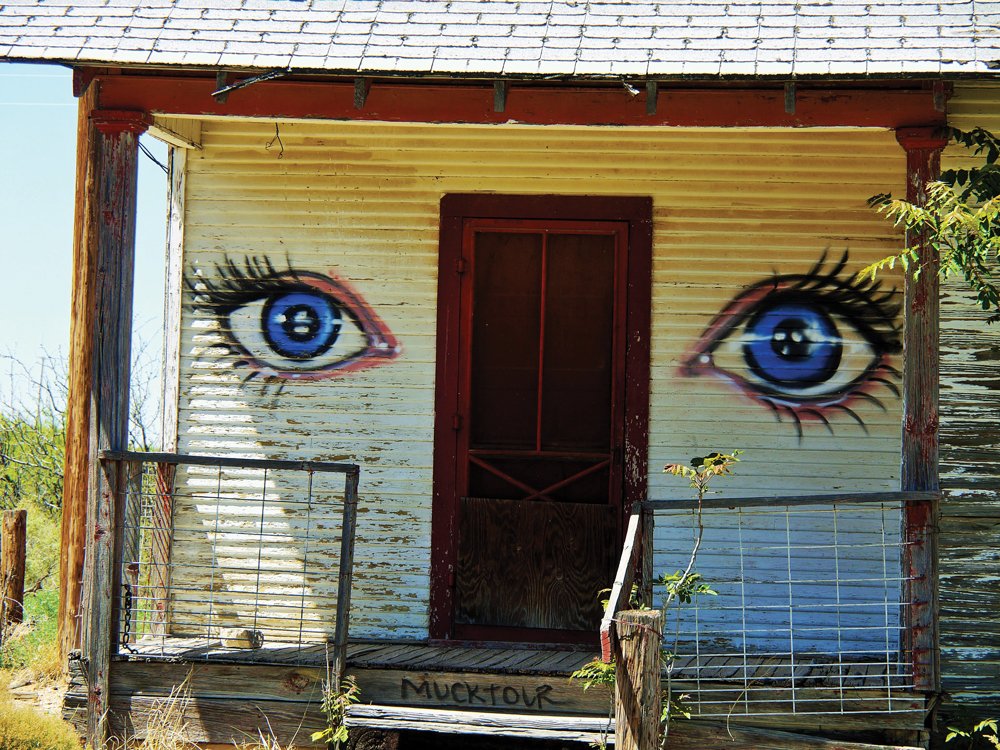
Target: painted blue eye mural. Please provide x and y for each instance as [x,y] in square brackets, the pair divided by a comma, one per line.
[805,345]
[292,325]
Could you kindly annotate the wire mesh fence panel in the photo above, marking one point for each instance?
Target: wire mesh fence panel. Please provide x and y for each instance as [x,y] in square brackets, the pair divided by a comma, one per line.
[255,569]
[806,612]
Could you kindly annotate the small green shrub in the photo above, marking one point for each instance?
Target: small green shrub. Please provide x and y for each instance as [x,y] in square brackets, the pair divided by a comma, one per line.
[959,222]
[42,555]
[33,645]
[26,729]
[335,705]
[595,672]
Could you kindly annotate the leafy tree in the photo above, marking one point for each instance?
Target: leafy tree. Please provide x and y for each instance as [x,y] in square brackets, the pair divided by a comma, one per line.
[959,221]
[33,435]
[33,445]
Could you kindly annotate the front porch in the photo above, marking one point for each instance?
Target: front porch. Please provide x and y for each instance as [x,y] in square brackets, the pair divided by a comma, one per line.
[240,570]
[811,628]
[514,687]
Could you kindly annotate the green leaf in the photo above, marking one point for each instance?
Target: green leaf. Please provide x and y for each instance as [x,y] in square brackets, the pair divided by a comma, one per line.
[595,672]
[986,724]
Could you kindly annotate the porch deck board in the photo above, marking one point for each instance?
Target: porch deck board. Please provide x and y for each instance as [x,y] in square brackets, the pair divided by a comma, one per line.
[755,672]
[517,659]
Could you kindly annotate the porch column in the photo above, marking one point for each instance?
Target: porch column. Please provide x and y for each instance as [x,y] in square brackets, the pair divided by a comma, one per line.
[919,468]
[111,337]
[77,459]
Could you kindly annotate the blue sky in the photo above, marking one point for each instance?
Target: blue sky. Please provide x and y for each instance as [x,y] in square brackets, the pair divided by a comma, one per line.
[37,172]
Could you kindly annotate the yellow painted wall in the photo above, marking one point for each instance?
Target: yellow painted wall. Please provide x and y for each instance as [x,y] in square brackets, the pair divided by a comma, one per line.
[361,200]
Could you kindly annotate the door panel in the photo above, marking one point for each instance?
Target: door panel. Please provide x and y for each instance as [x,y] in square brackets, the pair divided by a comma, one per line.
[542,580]
[576,398]
[539,478]
[506,307]
[536,456]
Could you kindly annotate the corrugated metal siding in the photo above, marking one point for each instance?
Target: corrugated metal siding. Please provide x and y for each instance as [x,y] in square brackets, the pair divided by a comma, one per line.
[970,464]
[731,208]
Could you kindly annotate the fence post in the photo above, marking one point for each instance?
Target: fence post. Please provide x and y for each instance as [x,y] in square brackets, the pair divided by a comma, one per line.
[637,672]
[12,568]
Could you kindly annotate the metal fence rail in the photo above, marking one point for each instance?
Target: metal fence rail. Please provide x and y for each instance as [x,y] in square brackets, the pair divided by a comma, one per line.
[245,556]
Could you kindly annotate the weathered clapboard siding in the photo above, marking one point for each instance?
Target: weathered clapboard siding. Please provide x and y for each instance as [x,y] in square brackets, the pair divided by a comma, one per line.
[361,200]
[970,466]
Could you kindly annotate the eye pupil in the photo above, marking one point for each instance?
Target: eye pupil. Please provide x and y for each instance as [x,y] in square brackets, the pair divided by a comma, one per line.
[793,344]
[301,325]
[791,339]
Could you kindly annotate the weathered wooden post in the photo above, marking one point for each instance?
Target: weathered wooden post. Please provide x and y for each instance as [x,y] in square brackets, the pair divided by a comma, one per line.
[110,346]
[637,673]
[15,524]
[77,456]
[920,471]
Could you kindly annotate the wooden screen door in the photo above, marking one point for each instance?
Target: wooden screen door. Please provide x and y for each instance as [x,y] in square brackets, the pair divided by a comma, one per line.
[539,425]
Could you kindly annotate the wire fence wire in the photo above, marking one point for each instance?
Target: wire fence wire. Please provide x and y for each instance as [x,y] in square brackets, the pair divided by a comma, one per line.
[249,557]
[807,614]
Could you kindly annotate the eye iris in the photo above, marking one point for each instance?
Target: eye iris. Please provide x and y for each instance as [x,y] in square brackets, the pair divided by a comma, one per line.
[301,325]
[793,344]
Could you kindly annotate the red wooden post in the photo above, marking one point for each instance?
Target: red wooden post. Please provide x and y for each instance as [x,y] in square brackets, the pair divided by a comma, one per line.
[920,416]
[116,175]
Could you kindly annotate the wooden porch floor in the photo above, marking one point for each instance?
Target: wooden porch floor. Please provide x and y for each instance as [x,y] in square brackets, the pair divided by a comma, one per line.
[484,659]
[860,671]
[514,686]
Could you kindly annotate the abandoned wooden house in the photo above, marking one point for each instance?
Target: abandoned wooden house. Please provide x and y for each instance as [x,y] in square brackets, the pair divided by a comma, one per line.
[448,283]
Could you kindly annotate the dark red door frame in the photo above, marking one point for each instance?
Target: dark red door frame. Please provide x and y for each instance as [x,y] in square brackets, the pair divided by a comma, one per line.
[455,209]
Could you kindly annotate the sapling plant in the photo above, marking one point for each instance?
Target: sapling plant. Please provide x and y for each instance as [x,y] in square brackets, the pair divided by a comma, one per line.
[336,700]
[681,588]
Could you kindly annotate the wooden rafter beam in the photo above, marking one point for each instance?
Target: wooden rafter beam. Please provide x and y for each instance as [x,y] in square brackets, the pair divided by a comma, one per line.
[790,97]
[361,88]
[889,107]
[500,90]
[652,94]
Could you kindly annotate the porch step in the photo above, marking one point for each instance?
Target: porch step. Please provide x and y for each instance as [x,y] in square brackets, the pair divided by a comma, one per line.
[498,724]
[684,734]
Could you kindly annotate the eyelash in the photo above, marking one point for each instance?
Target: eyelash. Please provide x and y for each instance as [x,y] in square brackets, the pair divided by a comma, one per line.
[870,311]
[256,280]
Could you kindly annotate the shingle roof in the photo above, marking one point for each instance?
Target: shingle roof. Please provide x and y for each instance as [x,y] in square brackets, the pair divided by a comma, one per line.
[559,38]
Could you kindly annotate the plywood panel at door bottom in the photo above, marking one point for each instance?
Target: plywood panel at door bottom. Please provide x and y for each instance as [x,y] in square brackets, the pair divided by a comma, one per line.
[532,564]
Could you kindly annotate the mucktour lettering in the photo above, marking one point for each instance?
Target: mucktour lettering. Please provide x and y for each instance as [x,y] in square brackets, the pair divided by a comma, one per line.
[462,693]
